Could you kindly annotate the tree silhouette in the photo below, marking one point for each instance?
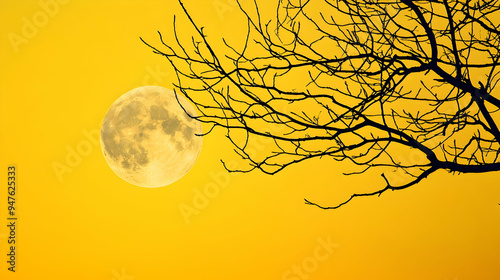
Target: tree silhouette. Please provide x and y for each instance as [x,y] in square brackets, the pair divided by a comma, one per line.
[357,81]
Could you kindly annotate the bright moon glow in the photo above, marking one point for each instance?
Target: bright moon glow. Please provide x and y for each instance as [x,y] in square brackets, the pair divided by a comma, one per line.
[148,140]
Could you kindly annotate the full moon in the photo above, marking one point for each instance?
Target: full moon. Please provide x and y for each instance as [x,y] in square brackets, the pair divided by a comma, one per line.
[147,138]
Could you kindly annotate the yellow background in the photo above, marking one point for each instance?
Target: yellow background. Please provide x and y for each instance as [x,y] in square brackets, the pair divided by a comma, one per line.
[93,225]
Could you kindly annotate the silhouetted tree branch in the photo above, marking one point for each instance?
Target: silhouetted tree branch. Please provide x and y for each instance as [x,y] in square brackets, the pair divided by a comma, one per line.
[362,81]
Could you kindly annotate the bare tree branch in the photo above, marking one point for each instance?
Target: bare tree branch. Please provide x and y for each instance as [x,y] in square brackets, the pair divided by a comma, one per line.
[337,79]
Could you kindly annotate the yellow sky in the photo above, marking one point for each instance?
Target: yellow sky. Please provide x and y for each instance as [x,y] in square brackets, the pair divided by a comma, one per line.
[71,60]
